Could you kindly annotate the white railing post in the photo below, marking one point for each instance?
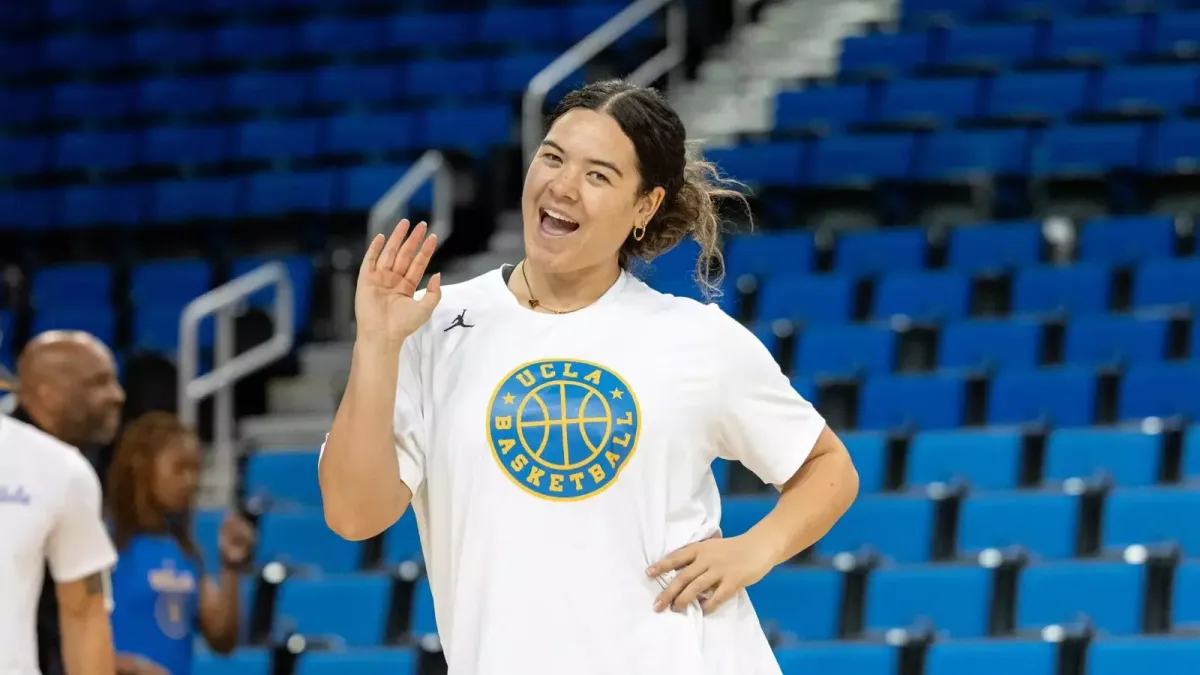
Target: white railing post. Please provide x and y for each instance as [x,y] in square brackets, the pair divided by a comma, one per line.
[670,58]
[230,367]
[393,205]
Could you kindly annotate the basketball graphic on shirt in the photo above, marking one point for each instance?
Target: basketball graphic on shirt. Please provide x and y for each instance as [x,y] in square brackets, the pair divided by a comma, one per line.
[563,429]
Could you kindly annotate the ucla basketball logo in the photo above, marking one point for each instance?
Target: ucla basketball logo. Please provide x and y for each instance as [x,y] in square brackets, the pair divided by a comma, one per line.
[563,429]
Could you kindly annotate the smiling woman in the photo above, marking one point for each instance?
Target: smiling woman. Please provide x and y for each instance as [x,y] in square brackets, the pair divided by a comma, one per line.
[555,429]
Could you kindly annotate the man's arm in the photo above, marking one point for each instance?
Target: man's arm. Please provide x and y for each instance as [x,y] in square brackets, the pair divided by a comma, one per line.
[86,633]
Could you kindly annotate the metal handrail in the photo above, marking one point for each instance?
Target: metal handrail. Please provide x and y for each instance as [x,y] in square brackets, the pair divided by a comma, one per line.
[392,206]
[666,61]
[230,367]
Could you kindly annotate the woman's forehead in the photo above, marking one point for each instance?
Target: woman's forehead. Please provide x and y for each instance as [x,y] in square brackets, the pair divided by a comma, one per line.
[593,136]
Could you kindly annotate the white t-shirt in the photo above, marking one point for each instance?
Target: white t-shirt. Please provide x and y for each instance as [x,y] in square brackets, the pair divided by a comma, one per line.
[49,510]
[537,533]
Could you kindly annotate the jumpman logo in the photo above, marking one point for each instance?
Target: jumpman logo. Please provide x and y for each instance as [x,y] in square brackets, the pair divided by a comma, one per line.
[458,321]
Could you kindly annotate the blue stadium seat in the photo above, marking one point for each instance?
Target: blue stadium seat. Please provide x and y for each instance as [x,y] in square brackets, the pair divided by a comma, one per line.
[1151,517]
[816,618]
[1126,240]
[848,161]
[763,164]
[923,297]
[1096,39]
[932,103]
[28,209]
[81,51]
[989,47]
[169,280]
[911,401]
[883,54]
[897,529]
[472,130]
[244,661]
[278,194]
[361,187]
[834,657]
[303,540]
[1168,283]
[285,477]
[740,513]
[167,46]
[1191,452]
[1158,90]
[1108,595]
[965,156]
[439,77]
[808,300]
[356,84]
[1090,150]
[7,351]
[169,95]
[1185,598]
[95,151]
[846,351]
[990,345]
[211,198]
[991,248]
[22,106]
[951,601]
[1175,148]
[822,109]
[114,205]
[1043,525]
[401,542]
[254,42]
[23,155]
[992,657]
[870,455]
[422,621]
[81,285]
[1148,655]
[263,90]
[769,254]
[370,133]
[1044,96]
[186,145]
[317,608]
[983,460]
[1082,288]
[1115,340]
[1159,390]
[156,327]
[1128,458]
[391,661]
[521,24]
[444,29]
[340,36]
[1175,34]
[278,140]
[1061,397]
[872,252]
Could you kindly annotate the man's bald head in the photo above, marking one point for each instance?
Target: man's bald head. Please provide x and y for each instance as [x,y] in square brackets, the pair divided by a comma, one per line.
[68,384]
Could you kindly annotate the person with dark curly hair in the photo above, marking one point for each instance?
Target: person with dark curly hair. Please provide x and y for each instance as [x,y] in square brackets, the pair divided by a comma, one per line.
[554,423]
[161,590]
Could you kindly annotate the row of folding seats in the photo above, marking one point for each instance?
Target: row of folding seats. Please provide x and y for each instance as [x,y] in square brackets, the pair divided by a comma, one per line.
[1045,525]
[860,161]
[1064,41]
[282,91]
[1012,98]
[1066,396]
[952,600]
[1106,341]
[252,141]
[987,461]
[552,27]
[917,14]
[995,460]
[262,195]
[937,296]
[977,248]
[1108,656]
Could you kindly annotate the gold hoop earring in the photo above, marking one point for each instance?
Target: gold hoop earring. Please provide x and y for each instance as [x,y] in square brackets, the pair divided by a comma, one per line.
[639,231]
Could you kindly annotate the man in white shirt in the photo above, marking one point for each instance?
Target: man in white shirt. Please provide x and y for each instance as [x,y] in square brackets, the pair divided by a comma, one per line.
[51,509]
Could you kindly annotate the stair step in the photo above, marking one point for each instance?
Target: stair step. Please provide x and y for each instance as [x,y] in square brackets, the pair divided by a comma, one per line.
[285,431]
[304,394]
[326,358]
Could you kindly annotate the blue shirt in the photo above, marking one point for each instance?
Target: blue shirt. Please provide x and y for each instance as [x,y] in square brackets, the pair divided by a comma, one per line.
[156,590]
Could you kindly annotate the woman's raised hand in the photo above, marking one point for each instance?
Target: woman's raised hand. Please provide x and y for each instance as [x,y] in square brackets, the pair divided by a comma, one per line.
[384,302]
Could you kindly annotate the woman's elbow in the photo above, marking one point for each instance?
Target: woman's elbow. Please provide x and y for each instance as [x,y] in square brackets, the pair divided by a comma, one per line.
[222,644]
[351,527]
[847,479]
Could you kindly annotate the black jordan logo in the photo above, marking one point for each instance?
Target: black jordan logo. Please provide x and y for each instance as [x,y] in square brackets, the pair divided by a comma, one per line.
[458,321]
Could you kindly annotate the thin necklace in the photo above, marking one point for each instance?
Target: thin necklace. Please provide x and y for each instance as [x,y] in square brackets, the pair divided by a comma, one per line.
[533,302]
